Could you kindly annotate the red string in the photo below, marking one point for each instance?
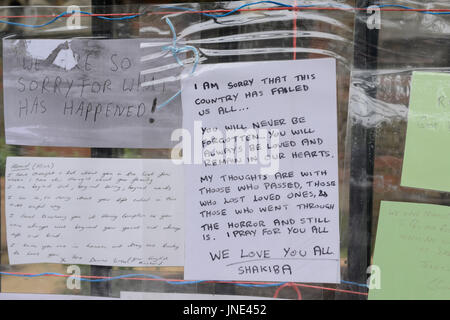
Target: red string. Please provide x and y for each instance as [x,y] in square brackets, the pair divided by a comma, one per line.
[294,38]
[294,285]
[330,289]
[290,285]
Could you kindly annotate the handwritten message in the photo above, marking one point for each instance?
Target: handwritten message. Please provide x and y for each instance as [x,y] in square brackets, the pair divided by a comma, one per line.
[262,194]
[117,212]
[412,252]
[87,93]
[426,163]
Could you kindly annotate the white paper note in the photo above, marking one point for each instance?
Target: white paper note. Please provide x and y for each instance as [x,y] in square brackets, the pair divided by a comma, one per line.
[117,212]
[89,93]
[244,223]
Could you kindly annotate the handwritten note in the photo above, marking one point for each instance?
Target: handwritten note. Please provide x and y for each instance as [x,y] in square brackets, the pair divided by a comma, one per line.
[87,93]
[265,216]
[412,251]
[426,161]
[118,212]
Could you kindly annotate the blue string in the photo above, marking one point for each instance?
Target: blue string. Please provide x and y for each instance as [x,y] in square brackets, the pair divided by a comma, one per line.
[109,18]
[235,9]
[265,285]
[279,4]
[34,26]
[133,275]
[283,5]
[355,283]
[31,275]
[151,276]
[175,50]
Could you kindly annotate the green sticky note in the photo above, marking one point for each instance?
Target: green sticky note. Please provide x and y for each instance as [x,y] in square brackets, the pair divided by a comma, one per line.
[426,162]
[412,252]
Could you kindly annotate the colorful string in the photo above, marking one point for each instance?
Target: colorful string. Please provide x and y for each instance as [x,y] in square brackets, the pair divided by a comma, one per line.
[138,276]
[175,50]
[279,5]
[312,6]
